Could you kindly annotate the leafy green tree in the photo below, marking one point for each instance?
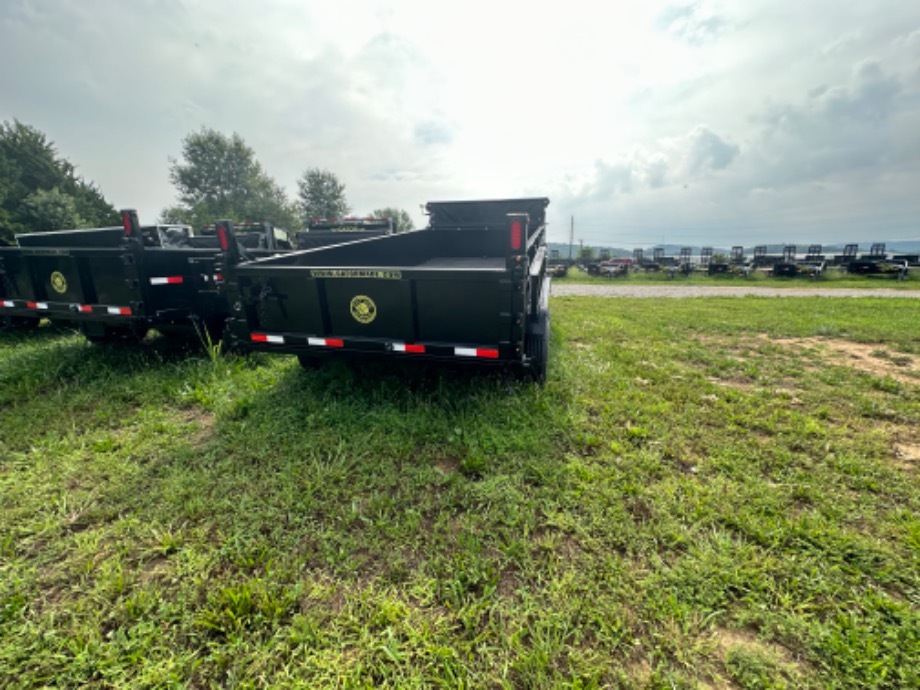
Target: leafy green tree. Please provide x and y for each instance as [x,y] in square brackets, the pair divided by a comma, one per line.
[40,190]
[321,195]
[401,219]
[50,210]
[219,178]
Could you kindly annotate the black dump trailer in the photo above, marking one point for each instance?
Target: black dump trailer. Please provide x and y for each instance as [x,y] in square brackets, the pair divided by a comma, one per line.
[322,232]
[117,283]
[471,287]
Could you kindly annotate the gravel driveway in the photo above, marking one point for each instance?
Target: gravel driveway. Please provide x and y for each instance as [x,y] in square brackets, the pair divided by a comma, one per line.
[627,290]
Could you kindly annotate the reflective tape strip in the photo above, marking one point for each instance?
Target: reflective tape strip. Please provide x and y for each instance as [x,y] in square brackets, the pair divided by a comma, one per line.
[41,305]
[86,309]
[168,280]
[476,352]
[266,338]
[326,342]
[8,303]
[119,311]
[32,305]
[414,349]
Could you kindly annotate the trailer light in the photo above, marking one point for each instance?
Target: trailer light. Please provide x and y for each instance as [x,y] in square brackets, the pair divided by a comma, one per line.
[129,222]
[222,238]
[119,311]
[516,234]
[412,349]
[167,280]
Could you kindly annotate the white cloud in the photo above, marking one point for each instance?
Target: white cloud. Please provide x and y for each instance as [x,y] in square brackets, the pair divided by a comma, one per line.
[640,118]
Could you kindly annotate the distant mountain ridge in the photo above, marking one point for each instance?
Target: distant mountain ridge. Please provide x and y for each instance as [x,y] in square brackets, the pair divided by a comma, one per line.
[898,247]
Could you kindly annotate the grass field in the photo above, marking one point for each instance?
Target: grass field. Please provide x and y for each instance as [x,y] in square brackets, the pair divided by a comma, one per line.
[831,279]
[706,493]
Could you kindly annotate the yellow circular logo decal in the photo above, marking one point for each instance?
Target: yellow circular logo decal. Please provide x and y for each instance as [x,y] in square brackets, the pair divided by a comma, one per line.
[59,282]
[363,309]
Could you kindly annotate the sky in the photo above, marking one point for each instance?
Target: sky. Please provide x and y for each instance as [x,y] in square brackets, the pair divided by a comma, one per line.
[643,121]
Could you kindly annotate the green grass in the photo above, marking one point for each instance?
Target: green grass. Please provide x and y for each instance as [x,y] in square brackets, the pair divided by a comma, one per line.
[692,500]
[831,279]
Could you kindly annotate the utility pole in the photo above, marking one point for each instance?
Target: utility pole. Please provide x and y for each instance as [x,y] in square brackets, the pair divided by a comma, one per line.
[571,236]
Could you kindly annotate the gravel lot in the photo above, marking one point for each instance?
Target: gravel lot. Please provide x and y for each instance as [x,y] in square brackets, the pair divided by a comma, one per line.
[627,290]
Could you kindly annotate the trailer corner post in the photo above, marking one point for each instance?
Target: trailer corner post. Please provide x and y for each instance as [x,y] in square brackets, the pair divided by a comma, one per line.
[133,261]
[228,245]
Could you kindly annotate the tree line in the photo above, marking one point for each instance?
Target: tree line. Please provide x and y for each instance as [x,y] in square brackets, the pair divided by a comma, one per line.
[217,176]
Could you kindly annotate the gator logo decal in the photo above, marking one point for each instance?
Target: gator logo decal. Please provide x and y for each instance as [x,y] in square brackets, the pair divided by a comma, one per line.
[363,309]
[59,282]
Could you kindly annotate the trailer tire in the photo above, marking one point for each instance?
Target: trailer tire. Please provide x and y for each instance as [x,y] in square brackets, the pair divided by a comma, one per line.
[537,346]
[117,335]
[309,362]
[18,323]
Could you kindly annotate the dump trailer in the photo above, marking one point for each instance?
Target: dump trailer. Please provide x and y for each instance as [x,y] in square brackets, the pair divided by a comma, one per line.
[322,232]
[471,287]
[116,283]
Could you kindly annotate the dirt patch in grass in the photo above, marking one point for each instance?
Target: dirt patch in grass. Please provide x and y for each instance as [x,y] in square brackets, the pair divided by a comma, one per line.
[447,465]
[726,638]
[733,640]
[734,384]
[871,359]
[201,424]
[907,455]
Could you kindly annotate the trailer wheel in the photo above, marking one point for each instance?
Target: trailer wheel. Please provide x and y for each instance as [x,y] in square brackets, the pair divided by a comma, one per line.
[537,347]
[117,335]
[18,323]
[309,362]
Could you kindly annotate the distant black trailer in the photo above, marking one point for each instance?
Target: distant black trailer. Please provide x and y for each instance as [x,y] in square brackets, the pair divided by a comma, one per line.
[116,283]
[471,287]
[323,232]
[556,265]
[876,262]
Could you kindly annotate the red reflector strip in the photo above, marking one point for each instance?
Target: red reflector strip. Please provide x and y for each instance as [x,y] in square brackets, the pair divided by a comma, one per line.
[119,311]
[266,338]
[86,309]
[218,278]
[167,280]
[476,352]
[8,303]
[32,305]
[402,347]
[326,342]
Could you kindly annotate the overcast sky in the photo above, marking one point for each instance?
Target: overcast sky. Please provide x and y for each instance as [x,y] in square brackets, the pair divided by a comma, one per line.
[688,123]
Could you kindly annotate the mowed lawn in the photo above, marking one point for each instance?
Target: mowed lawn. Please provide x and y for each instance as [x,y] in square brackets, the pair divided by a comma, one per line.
[706,493]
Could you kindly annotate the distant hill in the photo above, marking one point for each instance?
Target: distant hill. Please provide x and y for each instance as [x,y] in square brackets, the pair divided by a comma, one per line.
[899,247]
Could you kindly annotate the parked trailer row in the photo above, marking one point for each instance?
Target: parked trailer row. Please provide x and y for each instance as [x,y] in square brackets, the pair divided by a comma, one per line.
[813,264]
[471,287]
